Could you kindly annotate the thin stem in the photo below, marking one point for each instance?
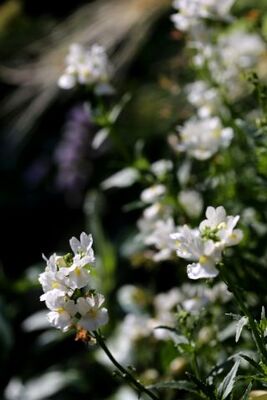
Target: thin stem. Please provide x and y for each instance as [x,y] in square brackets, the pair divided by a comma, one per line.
[125,373]
[196,366]
[238,297]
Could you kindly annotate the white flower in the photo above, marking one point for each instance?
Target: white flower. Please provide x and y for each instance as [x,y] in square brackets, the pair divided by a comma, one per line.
[62,309]
[132,298]
[192,202]
[203,138]
[192,247]
[53,280]
[205,98]
[86,67]
[153,212]
[161,167]
[83,248]
[77,275]
[93,315]
[222,226]
[160,239]
[190,11]
[153,193]
[124,178]
[233,53]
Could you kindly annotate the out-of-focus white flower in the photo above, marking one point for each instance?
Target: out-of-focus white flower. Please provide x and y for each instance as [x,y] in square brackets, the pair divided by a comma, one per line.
[86,67]
[136,327]
[93,315]
[202,138]
[155,226]
[251,218]
[153,193]
[38,388]
[161,167]
[132,298]
[165,307]
[240,49]
[160,239]
[124,178]
[226,60]
[192,202]
[183,172]
[205,98]
[190,246]
[152,212]
[190,11]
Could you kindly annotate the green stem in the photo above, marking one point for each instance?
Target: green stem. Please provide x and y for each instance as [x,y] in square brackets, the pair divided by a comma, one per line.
[125,373]
[239,299]
[196,366]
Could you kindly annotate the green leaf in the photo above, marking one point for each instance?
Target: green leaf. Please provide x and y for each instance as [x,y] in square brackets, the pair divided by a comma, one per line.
[252,362]
[247,392]
[239,327]
[227,384]
[180,385]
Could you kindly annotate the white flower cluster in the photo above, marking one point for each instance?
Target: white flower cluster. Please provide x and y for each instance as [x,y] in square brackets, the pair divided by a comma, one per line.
[191,11]
[86,67]
[233,53]
[67,293]
[205,245]
[202,138]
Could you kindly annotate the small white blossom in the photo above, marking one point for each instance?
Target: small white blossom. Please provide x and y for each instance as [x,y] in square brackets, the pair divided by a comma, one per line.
[77,276]
[53,280]
[153,193]
[93,315]
[192,202]
[62,309]
[86,67]
[222,226]
[83,248]
[205,98]
[160,239]
[161,167]
[190,246]
[206,244]
[132,298]
[153,212]
[203,138]
[124,178]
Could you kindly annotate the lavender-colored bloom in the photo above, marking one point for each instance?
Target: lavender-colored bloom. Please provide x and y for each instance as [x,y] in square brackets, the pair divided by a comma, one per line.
[73,153]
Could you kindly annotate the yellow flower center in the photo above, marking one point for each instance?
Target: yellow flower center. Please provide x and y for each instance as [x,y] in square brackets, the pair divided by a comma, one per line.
[60,310]
[203,259]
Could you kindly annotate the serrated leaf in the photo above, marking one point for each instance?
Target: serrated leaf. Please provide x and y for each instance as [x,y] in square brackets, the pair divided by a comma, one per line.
[227,384]
[239,327]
